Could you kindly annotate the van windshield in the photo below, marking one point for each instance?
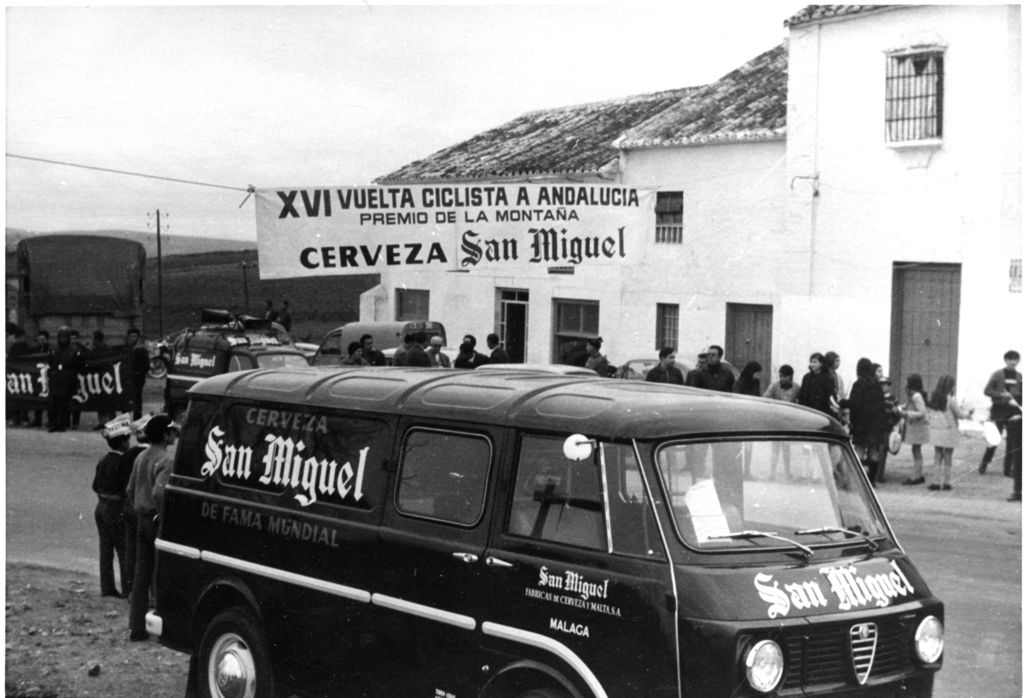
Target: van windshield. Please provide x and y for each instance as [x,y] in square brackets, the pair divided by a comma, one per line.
[730,495]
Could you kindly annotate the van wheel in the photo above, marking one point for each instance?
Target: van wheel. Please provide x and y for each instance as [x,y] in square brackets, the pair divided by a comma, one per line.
[233,660]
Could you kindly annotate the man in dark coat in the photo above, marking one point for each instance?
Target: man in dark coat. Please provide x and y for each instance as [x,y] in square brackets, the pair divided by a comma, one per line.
[138,361]
[666,371]
[498,353]
[715,375]
[65,360]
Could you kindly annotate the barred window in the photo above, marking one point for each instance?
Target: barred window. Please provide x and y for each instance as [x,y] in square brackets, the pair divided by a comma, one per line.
[666,329]
[913,96]
[668,217]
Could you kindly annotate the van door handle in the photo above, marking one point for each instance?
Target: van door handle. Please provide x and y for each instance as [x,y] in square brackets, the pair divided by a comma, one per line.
[497,562]
[465,557]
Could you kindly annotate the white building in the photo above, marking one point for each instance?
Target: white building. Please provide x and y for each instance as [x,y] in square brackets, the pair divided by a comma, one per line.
[856,189]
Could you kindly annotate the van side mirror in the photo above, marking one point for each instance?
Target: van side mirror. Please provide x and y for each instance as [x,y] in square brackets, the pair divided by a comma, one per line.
[578,447]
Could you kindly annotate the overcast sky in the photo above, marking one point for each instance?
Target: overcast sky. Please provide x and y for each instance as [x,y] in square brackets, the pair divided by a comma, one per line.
[301,95]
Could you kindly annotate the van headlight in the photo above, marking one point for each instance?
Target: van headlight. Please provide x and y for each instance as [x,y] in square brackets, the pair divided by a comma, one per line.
[929,640]
[764,666]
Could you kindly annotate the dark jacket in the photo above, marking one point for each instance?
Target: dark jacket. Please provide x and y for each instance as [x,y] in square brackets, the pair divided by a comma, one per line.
[719,378]
[499,355]
[869,419]
[63,375]
[658,374]
[815,391]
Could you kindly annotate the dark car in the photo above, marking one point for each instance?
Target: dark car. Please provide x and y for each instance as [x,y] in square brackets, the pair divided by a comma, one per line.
[224,344]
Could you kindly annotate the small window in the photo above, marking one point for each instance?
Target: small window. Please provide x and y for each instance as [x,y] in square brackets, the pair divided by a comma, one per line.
[668,217]
[575,323]
[666,330]
[913,96]
[412,304]
[443,476]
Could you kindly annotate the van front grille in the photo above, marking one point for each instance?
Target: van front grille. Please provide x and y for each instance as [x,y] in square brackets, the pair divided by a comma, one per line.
[841,653]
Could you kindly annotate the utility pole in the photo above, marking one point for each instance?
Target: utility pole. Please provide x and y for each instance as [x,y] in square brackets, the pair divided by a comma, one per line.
[245,286]
[159,276]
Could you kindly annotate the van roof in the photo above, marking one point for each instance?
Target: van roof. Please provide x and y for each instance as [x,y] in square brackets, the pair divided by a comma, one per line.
[535,400]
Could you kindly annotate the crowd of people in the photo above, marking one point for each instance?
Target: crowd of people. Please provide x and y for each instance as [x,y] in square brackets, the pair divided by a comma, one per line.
[871,411]
[129,485]
[64,360]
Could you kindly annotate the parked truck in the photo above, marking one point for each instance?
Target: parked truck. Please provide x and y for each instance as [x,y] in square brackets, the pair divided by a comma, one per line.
[87,282]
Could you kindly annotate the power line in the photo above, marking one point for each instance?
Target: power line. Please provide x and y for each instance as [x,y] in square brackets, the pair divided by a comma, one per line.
[248,189]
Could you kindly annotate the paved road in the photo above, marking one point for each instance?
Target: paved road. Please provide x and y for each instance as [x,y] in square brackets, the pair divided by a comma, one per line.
[967,544]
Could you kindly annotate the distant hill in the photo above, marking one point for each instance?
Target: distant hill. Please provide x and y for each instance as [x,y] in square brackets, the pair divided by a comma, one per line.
[170,244]
[202,273]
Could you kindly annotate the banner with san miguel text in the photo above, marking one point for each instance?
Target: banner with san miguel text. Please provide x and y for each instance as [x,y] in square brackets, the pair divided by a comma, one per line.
[495,227]
[104,385]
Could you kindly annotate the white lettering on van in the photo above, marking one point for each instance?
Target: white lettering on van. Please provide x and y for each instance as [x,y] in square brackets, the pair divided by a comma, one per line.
[849,588]
[854,590]
[578,629]
[573,582]
[777,600]
[286,420]
[232,461]
[284,466]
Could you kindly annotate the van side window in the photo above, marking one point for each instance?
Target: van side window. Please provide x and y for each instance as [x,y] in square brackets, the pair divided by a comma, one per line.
[634,529]
[557,499]
[443,476]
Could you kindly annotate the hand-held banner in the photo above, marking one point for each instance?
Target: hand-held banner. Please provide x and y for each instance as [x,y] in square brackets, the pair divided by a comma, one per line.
[500,227]
[104,384]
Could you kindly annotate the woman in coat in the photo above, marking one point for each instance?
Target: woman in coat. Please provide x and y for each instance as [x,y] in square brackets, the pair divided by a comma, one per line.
[818,388]
[915,412]
[869,421]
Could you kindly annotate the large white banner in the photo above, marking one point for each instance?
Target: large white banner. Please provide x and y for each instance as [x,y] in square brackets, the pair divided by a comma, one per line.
[497,227]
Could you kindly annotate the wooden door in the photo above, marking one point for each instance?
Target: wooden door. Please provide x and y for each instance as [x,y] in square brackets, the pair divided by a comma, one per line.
[925,322]
[748,337]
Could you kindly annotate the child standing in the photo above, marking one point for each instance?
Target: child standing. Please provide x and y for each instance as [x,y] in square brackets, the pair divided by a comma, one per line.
[108,484]
[944,415]
[786,390]
[918,433]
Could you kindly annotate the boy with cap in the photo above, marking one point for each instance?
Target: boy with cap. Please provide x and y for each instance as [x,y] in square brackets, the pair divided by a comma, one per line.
[109,483]
[145,492]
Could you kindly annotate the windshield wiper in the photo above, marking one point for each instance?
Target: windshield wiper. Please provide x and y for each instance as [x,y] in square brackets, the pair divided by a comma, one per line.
[767,534]
[872,545]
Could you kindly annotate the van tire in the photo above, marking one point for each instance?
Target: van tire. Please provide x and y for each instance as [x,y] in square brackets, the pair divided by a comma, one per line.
[234,641]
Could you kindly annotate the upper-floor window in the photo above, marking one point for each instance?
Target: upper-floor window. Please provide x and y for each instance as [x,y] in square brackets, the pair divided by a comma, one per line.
[668,217]
[913,96]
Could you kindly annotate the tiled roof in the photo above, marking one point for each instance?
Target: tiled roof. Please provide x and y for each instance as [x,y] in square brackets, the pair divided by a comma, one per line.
[816,12]
[747,104]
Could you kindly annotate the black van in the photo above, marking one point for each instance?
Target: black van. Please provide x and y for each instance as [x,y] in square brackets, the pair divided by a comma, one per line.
[421,532]
[224,343]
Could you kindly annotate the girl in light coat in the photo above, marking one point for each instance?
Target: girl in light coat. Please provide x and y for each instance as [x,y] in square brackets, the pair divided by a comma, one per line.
[918,433]
[944,415]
